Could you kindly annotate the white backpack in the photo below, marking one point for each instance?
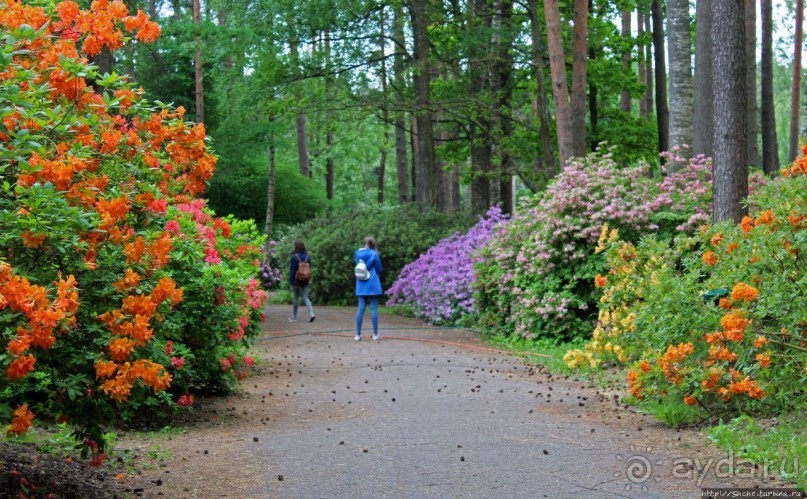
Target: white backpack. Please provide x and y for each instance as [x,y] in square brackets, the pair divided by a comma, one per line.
[361,271]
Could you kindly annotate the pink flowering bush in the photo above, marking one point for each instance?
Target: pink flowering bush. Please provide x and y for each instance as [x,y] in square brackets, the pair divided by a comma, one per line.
[438,285]
[536,274]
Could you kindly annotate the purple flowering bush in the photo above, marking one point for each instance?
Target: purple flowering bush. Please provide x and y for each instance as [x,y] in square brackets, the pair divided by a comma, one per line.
[438,285]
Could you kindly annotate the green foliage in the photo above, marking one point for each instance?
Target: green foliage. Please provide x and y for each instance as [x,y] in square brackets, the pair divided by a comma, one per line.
[242,193]
[402,234]
[776,447]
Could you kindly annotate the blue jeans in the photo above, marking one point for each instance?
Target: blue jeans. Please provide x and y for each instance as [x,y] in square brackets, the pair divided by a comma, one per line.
[373,313]
[302,290]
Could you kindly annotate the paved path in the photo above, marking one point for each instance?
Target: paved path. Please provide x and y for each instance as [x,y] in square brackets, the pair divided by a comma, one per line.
[423,413]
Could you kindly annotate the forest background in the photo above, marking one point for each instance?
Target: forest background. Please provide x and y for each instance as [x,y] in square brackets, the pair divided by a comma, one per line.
[313,104]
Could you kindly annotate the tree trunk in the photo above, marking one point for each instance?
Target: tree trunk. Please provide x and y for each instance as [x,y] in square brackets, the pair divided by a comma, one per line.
[704,109]
[398,69]
[546,163]
[795,95]
[640,60]
[382,164]
[413,134]
[300,121]
[579,69]
[593,109]
[425,181]
[770,149]
[479,130]
[751,80]
[330,173]
[662,111]
[270,205]
[503,89]
[560,87]
[731,154]
[648,57]
[624,96]
[680,47]
[197,63]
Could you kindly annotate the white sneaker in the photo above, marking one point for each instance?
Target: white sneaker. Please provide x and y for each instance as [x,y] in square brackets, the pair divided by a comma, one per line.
[357,338]
[375,337]
[292,319]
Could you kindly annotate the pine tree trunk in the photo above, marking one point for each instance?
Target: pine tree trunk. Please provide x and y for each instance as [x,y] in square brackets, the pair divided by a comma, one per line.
[579,77]
[300,121]
[624,96]
[480,126]
[704,109]
[546,163]
[503,89]
[648,57]
[730,182]
[398,69]
[382,163]
[330,173]
[270,204]
[560,87]
[640,60]
[770,148]
[197,63]
[680,47]
[662,111]
[751,80]
[425,182]
[795,95]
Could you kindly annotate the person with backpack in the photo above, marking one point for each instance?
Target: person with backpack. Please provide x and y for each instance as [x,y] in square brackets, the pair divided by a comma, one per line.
[368,284]
[299,278]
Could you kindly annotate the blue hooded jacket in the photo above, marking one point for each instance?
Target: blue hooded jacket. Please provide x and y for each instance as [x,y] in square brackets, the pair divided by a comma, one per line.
[372,286]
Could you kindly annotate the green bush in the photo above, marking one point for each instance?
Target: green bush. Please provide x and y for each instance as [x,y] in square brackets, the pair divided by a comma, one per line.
[402,234]
[241,192]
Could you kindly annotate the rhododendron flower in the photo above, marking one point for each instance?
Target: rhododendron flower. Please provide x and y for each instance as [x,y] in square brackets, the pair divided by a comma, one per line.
[765,218]
[690,400]
[247,360]
[159,206]
[185,400]
[743,291]
[600,281]
[763,359]
[172,226]
[20,367]
[716,239]
[169,347]
[760,342]
[97,460]
[747,224]
[21,421]
[178,362]
[709,258]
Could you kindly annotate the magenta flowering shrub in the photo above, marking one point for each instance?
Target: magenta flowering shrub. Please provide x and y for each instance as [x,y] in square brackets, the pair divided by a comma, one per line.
[438,285]
[535,277]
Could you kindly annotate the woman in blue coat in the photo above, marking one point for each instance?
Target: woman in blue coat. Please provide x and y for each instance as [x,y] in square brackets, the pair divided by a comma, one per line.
[369,290]
[299,287]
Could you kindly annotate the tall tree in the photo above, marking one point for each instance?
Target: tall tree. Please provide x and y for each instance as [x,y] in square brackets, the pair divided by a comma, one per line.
[425,188]
[546,162]
[648,57]
[579,77]
[479,128]
[640,60]
[300,119]
[382,163]
[730,182]
[751,80]
[270,205]
[560,88]
[795,92]
[330,170]
[770,149]
[624,96]
[502,89]
[704,109]
[197,63]
[680,47]
[399,82]
[662,111]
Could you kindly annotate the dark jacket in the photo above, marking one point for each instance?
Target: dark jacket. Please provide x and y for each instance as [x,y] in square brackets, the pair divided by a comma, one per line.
[296,263]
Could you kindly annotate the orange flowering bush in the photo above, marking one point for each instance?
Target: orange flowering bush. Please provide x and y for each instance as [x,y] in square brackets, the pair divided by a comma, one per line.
[717,320]
[119,290]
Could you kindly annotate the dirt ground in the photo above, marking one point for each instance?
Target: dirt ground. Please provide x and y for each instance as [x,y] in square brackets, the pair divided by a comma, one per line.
[423,413]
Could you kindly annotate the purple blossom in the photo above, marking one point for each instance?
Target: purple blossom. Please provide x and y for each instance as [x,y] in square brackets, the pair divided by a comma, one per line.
[438,285]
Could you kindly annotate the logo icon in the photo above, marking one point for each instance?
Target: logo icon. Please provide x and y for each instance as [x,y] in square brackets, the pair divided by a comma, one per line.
[638,469]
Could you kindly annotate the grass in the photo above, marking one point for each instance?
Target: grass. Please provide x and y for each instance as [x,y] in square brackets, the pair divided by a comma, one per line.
[674,413]
[778,447]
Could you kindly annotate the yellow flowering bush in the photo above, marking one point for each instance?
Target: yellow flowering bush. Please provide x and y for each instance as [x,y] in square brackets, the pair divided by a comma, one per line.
[717,320]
